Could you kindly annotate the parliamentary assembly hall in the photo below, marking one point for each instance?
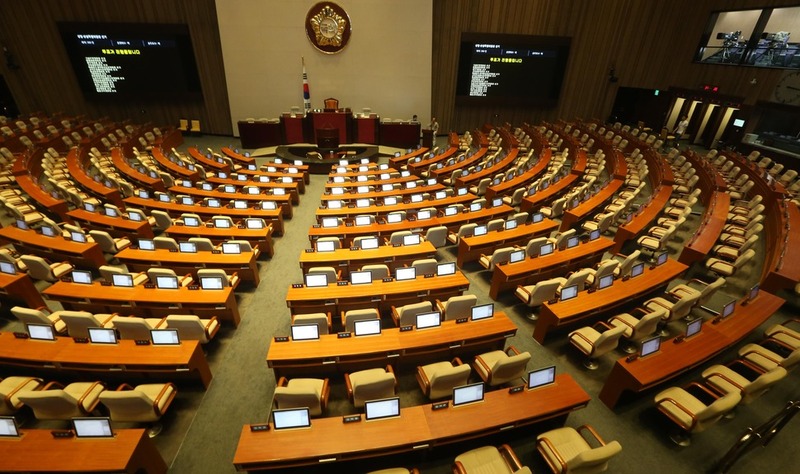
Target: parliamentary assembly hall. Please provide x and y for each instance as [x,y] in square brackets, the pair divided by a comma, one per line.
[419,236]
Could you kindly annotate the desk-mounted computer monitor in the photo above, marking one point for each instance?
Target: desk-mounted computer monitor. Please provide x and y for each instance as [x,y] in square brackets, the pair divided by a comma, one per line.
[231,248]
[135,217]
[40,332]
[387,187]
[381,409]
[537,217]
[516,256]
[241,204]
[187,247]
[123,279]
[650,346]
[569,292]
[211,283]
[572,242]
[605,282]
[48,231]
[440,194]
[213,203]
[541,377]
[444,269]
[661,259]
[359,179]
[190,221]
[92,427]
[450,211]
[207,187]
[9,268]
[431,182]
[461,191]
[334,204]
[416,198]
[291,418]
[314,280]
[229,188]
[166,282]
[424,214]
[254,190]
[405,273]
[693,327]
[361,277]
[482,311]
[512,224]
[412,239]
[367,327]
[466,394]
[305,332]
[545,249]
[163,197]
[102,336]
[337,191]
[390,201]
[432,319]
[480,230]
[89,207]
[144,194]
[326,246]
[594,235]
[497,202]
[369,244]
[20,224]
[637,269]
[728,309]
[165,337]
[363,220]
[405,174]
[411,184]
[393,218]
[187,201]
[221,223]
[362,203]
[338,179]
[753,293]
[330,222]
[82,276]
[8,427]
[475,206]
[254,223]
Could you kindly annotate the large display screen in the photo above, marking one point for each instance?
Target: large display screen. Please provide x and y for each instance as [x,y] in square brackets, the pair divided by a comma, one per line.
[132,61]
[497,69]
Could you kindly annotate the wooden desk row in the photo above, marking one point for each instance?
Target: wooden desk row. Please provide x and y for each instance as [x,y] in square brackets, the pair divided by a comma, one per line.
[375,209]
[104,361]
[284,201]
[146,302]
[403,350]
[508,187]
[116,226]
[643,218]
[55,249]
[258,238]
[572,216]
[19,288]
[708,233]
[378,294]
[243,264]
[379,194]
[130,451]
[673,359]
[417,428]
[348,260]
[587,305]
[559,263]
[471,248]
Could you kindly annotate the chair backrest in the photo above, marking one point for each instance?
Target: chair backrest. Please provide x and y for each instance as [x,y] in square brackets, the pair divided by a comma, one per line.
[163,220]
[30,315]
[105,240]
[203,244]
[466,229]
[397,237]
[437,236]
[330,272]
[79,322]
[534,245]
[561,239]
[189,326]
[166,243]
[716,410]
[350,317]
[648,324]
[38,268]
[500,255]
[299,396]
[543,291]
[608,340]
[131,327]
[579,278]
[508,368]
[409,312]
[320,319]
[627,264]
[379,271]
[425,266]
[744,258]
[53,404]
[154,272]
[494,224]
[459,306]
[593,459]
[606,267]
[132,405]
[445,379]
[377,385]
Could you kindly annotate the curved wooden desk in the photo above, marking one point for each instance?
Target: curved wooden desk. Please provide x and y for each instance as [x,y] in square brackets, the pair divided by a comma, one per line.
[244,264]
[284,202]
[76,171]
[643,218]
[709,231]
[572,216]
[417,428]
[471,248]
[20,288]
[347,211]
[261,238]
[508,187]
[55,249]
[348,260]
[146,181]
[116,226]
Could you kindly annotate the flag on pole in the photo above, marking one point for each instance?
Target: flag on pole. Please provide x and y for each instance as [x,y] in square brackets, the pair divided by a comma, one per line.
[306,93]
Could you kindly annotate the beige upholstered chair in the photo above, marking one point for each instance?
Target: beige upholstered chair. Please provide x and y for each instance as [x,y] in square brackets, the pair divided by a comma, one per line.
[533,246]
[677,308]
[10,387]
[154,272]
[79,322]
[379,271]
[457,307]
[322,320]
[464,230]
[203,244]
[329,272]
[145,403]
[108,272]
[638,325]
[489,459]
[405,315]
[425,266]
[40,315]
[162,220]
[769,358]
[396,470]
[785,334]
[57,402]
[694,286]
[624,268]
[500,367]
[594,341]
[227,280]
[537,294]
[41,269]
[191,328]
[438,379]
[743,378]
[567,450]
[689,413]
[499,256]
[370,384]
[350,317]
[109,244]
[605,267]
[134,327]
[302,392]
[578,277]
[166,243]
[437,236]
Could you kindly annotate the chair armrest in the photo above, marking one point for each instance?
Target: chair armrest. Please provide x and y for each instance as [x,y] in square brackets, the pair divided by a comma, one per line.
[423,381]
[51,385]
[520,287]
[579,335]
[282,382]
[458,468]
[621,321]
[161,394]
[725,378]
[680,407]
[349,387]
[552,449]
[602,324]
[590,430]
[479,361]
[86,394]
[211,322]
[511,349]
[395,316]
[456,362]
[510,457]
[439,306]
[123,386]
[161,323]
[324,394]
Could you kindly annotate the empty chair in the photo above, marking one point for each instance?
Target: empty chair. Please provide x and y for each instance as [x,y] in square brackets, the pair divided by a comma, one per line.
[437,380]
[108,272]
[624,268]
[489,459]
[494,224]
[594,341]
[677,308]
[191,328]
[480,188]
[534,246]
[154,272]
[40,316]
[9,392]
[684,407]
[561,238]
[785,334]
[604,268]
[144,403]
[437,236]
[500,367]
[40,269]
[162,220]
[231,280]
[397,237]
[406,315]
[79,322]
[57,402]
[464,230]
[337,244]
[425,266]
[567,450]
[203,244]
[516,197]
[638,325]
[724,268]
[330,272]
[601,222]
[457,307]
[536,294]
[370,384]
[743,378]
[301,393]
[134,327]
[499,256]
[769,358]
[577,278]
[379,271]
[350,317]
[322,320]
[166,243]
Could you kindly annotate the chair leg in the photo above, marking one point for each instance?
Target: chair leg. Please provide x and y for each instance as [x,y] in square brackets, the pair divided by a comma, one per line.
[681,438]
[590,364]
[155,429]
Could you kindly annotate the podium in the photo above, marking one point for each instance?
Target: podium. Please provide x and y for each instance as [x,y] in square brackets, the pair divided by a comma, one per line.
[327,138]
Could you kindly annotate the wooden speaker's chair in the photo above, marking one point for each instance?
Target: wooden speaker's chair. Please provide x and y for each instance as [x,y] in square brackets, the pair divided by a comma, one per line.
[370,384]
[489,459]
[438,379]
[568,450]
[302,392]
[145,403]
[57,402]
[500,367]
[331,104]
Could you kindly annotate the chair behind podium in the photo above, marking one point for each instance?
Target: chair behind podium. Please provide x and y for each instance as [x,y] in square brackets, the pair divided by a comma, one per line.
[331,104]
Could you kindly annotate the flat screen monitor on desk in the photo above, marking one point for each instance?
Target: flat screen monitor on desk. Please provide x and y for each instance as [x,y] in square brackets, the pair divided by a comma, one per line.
[254,223]
[326,246]
[360,179]
[753,294]
[241,204]
[363,220]
[475,206]
[572,242]
[187,247]
[147,244]
[134,217]
[305,332]
[102,336]
[594,235]
[693,327]
[432,319]
[167,282]
[190,221]
[482,311]
[390,201]
[512,224]
[48,231]
[314,280]
[211,283]
[253,190]
[412,239]
[89,207]
[405,174]
[221,223]
[650,346]
[497,202]
[387,187]
[405,273]
[516,256]
[370,243]
[213,203]
[440,195]
[423,214]
[605,282]
[163,197]
[362,203]
[330,222]
[367,327]
[569,292]
[444,269]
[545,249]
[334,204]
[291,418]
[40,332]
[9,268]
[662,258]
[637,269]
[229,188]
[728,309]
[81,276]
[450,211]
[207,186]
[480,230]
[394,217]
[124,279]
[361,277]
[538,217]
[337,191]
[381,409]
[416,198]
[411,184]
[467,394]
[92,427]
[144,194]
[187,201]
[231,248]
[338,179]
[79,237]
[165,337]
[541,377]
[8,427]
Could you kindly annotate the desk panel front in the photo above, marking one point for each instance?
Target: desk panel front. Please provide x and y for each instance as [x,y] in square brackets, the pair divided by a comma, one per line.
[349,260]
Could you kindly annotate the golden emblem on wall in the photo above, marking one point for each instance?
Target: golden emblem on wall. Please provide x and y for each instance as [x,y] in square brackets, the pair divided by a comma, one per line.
[328,27]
